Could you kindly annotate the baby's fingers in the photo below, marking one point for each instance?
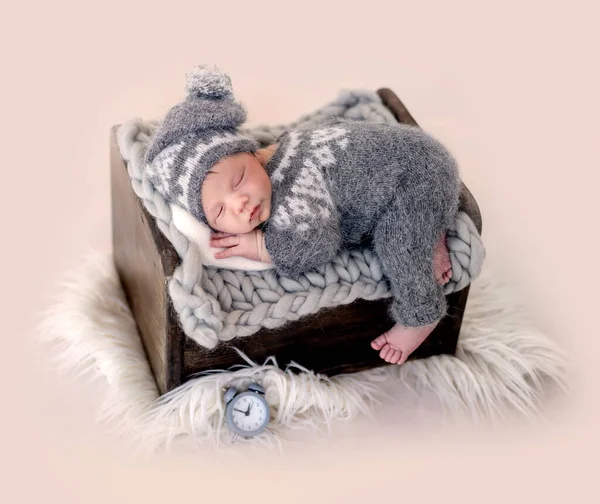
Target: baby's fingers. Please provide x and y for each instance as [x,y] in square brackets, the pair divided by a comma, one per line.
[230,252]
[220,234]
[227,241]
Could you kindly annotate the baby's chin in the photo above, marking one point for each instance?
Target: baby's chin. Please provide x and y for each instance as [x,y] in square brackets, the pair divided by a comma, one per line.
[240,230]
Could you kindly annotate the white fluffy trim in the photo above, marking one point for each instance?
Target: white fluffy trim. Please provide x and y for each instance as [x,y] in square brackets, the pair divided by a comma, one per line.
[499,367]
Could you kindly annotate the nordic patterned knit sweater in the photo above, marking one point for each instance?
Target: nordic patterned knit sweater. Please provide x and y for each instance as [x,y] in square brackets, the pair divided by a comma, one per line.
[344,182]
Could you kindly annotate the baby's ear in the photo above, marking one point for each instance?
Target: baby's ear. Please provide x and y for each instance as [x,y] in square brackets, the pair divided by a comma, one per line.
[263,155]
[259,156]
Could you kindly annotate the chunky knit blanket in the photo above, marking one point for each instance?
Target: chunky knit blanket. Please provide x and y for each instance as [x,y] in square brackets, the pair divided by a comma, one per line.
[218,304]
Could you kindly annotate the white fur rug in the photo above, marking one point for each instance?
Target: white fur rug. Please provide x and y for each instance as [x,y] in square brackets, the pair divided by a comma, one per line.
[499,368]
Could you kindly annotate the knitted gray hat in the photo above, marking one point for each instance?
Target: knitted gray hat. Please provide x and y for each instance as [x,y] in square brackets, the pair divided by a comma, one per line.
[194,135]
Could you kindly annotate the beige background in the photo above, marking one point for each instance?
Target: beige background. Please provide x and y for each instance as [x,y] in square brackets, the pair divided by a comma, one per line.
[511,87]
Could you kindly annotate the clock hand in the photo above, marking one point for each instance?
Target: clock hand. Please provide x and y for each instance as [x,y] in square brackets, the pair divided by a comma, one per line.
[235,409]
[249,409]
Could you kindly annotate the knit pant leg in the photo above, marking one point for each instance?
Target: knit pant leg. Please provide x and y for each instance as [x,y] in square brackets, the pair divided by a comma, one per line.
[404,240]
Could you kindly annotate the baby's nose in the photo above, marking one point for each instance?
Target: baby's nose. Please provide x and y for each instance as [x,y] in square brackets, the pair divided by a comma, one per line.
[243,201]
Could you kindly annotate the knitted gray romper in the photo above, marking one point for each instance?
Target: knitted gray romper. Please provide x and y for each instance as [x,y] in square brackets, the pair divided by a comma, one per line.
[344,183]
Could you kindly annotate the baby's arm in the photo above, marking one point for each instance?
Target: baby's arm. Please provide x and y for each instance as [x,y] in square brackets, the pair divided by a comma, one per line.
[294,251]
[291,252]
[250,245]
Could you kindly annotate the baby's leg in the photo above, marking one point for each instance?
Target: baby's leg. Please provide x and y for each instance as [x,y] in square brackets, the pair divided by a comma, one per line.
[399,342]
[407,256]
[415,261]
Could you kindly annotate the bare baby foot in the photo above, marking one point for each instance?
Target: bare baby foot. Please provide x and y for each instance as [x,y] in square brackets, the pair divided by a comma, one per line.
[399,342]
[441,262]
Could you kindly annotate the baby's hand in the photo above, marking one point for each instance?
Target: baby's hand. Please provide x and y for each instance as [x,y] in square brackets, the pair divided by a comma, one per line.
[249,245]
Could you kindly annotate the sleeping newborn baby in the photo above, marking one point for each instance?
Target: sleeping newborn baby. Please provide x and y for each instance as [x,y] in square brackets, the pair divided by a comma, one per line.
[319,189]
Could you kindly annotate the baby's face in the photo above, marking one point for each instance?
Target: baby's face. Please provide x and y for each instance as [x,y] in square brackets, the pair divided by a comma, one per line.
[236,194]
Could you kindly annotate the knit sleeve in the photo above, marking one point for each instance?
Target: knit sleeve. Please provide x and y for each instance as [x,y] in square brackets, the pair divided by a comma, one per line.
[303,232]
[295,251]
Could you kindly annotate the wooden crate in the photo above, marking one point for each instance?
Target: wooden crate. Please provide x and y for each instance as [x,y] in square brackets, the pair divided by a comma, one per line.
[332,341]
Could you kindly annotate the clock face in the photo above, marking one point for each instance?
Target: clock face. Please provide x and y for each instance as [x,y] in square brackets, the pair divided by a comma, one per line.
[248,414]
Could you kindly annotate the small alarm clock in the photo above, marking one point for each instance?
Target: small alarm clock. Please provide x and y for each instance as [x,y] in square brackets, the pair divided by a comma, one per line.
[247,413]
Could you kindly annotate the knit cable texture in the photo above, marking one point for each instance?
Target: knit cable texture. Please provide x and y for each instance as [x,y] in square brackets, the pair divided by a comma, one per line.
[218,304]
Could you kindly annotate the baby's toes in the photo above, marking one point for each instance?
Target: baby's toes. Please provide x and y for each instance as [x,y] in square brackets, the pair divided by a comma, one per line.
[403,358]
[379,342]
[395,357]
[386,352]
[447,276]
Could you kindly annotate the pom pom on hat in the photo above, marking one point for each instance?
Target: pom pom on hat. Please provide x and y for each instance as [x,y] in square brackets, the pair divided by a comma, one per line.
[208,82]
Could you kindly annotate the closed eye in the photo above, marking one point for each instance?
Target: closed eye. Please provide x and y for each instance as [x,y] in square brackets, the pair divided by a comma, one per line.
[241,178]
[219,214]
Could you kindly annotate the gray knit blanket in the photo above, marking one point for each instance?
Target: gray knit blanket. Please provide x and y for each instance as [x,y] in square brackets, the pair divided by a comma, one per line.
[215,304]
